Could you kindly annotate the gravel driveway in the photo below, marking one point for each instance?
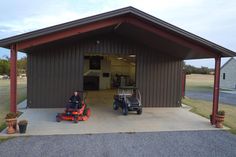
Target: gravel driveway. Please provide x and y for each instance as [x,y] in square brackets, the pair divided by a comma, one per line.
[185,143]
[227,98]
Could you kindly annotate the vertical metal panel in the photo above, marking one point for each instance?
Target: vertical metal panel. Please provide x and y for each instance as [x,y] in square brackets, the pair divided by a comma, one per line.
[55,71]
[158,79]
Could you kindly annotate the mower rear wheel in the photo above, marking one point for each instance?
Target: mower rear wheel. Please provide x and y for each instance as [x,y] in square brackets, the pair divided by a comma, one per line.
[88,112]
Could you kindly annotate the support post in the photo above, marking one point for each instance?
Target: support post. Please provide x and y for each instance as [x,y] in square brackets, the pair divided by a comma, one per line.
[216,89]
[183,84]
[13,77]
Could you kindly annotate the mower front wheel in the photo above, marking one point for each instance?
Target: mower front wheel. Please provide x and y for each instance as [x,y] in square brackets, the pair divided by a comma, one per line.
[76,119]
[58,118]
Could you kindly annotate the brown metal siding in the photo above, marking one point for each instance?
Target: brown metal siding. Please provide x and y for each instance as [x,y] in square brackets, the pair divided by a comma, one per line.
[108,46]
[159,79]
[54,72]
[53,75]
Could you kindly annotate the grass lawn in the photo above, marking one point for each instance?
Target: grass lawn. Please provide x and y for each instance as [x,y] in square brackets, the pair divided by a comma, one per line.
[5,97]
[204,108]
[199,82]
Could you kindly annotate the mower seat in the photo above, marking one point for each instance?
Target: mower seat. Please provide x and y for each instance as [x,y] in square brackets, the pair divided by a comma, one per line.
[72,106]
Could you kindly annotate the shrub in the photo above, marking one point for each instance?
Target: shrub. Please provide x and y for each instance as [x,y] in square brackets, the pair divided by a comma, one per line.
[11,115]
[221,112]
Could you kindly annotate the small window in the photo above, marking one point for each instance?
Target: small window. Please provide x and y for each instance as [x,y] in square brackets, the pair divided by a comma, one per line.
[95,63]
[223,76]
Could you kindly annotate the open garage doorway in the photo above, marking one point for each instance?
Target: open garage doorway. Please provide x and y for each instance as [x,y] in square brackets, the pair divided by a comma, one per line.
[105,72]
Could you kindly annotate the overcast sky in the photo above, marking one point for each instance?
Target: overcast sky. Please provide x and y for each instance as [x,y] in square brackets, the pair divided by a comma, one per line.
[214,20]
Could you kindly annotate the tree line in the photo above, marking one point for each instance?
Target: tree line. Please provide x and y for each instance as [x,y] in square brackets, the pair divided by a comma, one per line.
[5,66]
[189,69]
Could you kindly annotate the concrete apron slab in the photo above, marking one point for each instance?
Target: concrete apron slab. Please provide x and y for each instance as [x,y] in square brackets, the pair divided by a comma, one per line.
[106,120]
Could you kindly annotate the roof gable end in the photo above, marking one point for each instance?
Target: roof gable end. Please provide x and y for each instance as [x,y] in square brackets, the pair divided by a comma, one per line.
[116,13]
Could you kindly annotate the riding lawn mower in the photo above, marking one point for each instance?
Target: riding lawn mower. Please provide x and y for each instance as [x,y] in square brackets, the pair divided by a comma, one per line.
[80,113]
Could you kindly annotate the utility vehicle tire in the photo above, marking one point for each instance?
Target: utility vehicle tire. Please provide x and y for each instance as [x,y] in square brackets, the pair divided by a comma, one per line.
[125,111]
[115,106]
[139,111]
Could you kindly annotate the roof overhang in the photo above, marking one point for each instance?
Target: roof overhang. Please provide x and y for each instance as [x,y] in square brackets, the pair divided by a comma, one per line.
[131,23]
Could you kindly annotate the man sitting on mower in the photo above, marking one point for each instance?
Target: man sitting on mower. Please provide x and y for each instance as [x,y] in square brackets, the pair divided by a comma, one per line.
[74,101]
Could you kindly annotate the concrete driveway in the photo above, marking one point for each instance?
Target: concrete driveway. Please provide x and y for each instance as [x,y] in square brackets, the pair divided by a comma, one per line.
[164,144]
[105,120]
